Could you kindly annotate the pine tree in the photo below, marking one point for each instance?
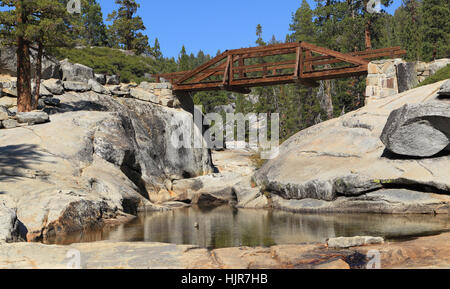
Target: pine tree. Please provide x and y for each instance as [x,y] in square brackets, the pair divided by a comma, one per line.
[436,29]
[126,27]
[183,60]
[94,29]
[302,24]
[156,50]
[27,22]
[259,40]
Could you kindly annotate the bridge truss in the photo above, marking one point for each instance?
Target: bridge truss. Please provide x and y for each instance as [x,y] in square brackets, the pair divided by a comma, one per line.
[304,63]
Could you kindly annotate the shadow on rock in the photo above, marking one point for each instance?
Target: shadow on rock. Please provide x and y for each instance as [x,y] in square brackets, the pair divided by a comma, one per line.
[16,159]
[76,106]
[393,156]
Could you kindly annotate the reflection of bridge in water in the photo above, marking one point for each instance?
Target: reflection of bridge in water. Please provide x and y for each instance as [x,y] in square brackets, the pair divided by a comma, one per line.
[304,63]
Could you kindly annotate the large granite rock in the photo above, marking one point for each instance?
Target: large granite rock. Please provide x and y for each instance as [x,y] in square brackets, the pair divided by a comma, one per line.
[9,225]
[418,130]
[406,76]
[94,164]
[75,72]
[8,63]
[445,89]
[342,166]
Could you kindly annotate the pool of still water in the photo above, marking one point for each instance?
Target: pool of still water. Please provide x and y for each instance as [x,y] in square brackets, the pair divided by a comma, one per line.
[228,227]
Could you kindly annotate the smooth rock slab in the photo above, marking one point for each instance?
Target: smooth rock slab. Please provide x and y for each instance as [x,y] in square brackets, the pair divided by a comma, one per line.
[418,130]
[33,117]
[344,242]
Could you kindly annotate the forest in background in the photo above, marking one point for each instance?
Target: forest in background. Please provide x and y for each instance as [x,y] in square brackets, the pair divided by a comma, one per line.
[419,26]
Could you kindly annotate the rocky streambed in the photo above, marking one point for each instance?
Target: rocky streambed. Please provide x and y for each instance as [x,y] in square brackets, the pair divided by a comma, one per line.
[103,158]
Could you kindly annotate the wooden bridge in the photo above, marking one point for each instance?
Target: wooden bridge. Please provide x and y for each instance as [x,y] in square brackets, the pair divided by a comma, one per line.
[304,63]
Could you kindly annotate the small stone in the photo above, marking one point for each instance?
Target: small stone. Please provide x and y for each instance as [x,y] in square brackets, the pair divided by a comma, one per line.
[8,102]
[34,117]
[42,91]
[55,86]
[143,95]
[113,80]
[51,101]
[348,242]
[120,93]
[100,78]
[9,123]
[12,92]
[97,87]
[3,114]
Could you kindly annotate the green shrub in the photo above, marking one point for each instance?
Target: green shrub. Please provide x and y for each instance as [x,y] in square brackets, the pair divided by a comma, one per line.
[441,74]
[130,68]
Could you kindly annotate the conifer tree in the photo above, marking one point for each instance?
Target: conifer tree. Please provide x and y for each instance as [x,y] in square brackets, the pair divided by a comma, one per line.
[436,29]
[126,29]
[259,40]
[23,24]
[156,50]
[94,29]
[302,24]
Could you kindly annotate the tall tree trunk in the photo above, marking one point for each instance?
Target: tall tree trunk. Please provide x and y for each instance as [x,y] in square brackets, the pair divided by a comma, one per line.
[368,35]
[38,75]
[23,67]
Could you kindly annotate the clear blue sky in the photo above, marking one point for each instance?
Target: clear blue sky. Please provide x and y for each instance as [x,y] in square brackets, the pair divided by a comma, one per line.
[211,25]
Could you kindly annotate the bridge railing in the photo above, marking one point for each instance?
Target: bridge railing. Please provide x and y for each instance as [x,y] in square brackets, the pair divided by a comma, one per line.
[304,63]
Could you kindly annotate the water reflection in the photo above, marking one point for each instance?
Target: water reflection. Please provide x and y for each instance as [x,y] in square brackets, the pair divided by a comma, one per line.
[228,227]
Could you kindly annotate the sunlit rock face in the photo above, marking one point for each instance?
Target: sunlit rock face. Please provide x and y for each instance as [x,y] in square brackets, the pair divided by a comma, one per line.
[96,162]
[343,166]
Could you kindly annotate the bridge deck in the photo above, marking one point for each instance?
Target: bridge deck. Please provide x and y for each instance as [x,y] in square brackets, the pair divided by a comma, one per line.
[302,63]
